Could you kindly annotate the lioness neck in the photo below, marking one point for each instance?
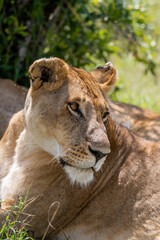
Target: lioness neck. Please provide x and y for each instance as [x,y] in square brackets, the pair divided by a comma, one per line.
[125,143]
[122,177]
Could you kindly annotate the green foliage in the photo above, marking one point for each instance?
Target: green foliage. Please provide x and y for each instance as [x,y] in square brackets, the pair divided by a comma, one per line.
[77,31]
[15,229]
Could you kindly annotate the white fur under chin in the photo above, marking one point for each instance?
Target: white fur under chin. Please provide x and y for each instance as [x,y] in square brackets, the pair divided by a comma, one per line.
[79,175]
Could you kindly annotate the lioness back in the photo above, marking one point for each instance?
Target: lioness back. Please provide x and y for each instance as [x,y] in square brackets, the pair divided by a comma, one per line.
[8,142]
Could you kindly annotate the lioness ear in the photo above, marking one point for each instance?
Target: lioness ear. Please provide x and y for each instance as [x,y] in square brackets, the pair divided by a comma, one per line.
[106,77]
[51,73]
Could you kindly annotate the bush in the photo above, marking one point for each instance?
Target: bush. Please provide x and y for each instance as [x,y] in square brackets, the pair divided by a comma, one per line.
[78,31]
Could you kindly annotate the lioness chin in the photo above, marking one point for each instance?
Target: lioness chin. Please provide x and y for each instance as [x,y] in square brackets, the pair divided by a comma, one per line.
[66,148]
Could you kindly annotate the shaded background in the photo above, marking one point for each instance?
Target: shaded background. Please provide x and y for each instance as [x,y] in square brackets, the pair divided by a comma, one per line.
[86,34]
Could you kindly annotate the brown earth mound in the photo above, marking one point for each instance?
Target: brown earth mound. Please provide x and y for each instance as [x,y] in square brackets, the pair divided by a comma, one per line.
[12,99]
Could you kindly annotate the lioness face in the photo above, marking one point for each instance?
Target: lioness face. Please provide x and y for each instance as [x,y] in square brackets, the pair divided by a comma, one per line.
[65,112]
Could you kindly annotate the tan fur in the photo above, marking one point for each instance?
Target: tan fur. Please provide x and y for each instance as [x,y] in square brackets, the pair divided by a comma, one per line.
[112,199]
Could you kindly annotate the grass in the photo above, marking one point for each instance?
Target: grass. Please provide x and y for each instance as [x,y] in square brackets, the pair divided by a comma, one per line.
[15,229]
[135,86]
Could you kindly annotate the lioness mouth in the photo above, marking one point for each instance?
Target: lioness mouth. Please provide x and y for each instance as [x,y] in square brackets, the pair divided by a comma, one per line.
[63,163]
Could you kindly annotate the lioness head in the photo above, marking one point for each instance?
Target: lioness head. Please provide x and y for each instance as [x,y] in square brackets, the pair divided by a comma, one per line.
[65,112]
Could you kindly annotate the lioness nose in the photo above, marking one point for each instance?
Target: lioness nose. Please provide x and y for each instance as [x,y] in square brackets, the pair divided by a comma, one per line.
[97,154]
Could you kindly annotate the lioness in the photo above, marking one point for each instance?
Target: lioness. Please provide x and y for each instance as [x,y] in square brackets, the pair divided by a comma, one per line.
[66,148]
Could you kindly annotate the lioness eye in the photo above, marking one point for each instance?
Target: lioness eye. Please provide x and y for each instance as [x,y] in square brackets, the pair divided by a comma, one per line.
[74,108]
[105,115]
